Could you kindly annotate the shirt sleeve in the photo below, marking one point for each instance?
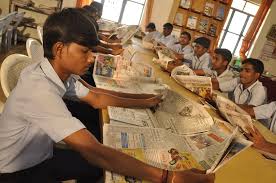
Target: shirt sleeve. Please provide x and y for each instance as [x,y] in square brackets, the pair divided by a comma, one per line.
[187,50]
[74,88]
[47,110]
[229,86]
[210,73]
[265,111]
[258,96]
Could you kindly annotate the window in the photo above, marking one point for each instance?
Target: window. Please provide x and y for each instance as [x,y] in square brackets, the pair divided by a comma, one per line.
[236,25]
[123,11]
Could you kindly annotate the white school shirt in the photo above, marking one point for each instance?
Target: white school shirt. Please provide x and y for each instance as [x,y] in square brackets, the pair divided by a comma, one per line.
[182,49]
[168,40]
[35,116]
[267,111]
[254,95]
[203,62]
[151,36]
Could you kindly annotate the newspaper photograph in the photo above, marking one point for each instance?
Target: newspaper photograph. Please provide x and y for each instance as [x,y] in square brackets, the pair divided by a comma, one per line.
[117,67]
[199,85]
[162,149]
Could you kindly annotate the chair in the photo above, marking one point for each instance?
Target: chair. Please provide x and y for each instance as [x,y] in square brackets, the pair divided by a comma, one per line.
[40,33]
[5,35]
[11,69]
[34,49]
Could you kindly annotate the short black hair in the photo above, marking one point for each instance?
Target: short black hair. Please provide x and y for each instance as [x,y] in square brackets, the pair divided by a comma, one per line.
[187,34]
[203,41]
[168,26]
[151,25]
[225,53]
[90,9]
[258,65]
[68,26]
[98,6]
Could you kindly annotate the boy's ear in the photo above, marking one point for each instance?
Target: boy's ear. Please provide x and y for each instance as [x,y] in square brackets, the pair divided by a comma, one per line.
[225,63]
[57,49]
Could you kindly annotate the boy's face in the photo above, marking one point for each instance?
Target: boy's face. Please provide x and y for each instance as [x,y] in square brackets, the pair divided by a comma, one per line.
[248,75]
[149,30]
[184,39]
[199,50]
[166,31]
[76,59]
[218,62]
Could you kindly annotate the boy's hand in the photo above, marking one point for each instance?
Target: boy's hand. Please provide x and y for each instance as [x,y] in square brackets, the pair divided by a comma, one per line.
[116,46]
[190,176]
[257,138]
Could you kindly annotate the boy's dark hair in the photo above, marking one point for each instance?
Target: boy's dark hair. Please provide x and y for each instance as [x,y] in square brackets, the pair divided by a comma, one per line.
[168,26]
[203,41]
[98,6]
[90,9]
[225,53]
[187,34]
[151,25]
[258,65]
[68,26]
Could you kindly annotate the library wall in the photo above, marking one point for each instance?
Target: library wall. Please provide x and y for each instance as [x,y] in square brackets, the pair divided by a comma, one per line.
[259,42]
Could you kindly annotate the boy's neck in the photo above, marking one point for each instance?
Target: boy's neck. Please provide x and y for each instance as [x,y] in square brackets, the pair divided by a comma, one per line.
[247,85]
[61,74]
[220,71]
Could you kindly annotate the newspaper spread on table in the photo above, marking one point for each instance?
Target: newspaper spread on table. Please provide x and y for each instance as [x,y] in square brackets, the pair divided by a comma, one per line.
[233,113]
[166,150]
[182,70]
[165,56]
[200,85]
[176,114]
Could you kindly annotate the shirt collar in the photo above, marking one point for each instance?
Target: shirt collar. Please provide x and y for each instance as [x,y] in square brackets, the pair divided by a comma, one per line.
[202,57]
[223,73]
[52,75]
[251,86]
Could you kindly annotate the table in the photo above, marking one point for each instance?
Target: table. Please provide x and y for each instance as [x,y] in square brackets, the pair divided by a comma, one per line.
[249,166]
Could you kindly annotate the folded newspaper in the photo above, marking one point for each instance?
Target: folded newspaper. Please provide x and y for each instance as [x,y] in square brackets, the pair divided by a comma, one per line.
[234,114]
[200,85]
[182,70]
[165,56]
[175,114]
[166,150]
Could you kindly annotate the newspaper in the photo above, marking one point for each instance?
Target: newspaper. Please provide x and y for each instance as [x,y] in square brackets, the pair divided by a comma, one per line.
[162,149]
[182,70]
[125,32]
[234,114]
[175,114]
[117,67]
[107,25]
[200,85]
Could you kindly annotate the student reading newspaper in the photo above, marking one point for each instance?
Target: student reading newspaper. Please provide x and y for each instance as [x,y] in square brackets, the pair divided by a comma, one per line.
[35,116]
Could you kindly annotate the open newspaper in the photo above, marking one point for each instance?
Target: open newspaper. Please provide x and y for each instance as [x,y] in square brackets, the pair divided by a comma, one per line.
[175,114]
[182,70]
[166,150]
[200,85]
[107,25]
[165,56]
[125,32]
[233,113]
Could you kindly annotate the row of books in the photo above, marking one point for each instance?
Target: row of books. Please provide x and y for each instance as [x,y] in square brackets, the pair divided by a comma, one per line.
[203,24]
[207,10]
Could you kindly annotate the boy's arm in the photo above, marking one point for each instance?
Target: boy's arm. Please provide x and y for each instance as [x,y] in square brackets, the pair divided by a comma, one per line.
[99,99]
[248,108]
[110,159]
[199,72]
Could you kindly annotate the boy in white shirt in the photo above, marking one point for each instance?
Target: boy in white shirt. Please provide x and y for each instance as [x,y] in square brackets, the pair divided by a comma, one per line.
[167,39]
[35,116]
[247,89]
[219,71]
[183,47]
[151,33]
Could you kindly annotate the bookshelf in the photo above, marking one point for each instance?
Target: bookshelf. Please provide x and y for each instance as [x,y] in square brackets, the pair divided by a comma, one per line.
[201,18]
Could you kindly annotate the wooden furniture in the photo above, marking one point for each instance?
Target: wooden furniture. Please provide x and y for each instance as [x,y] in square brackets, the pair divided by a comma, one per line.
[201,18]
[247,167]
[270,86]
[15,5]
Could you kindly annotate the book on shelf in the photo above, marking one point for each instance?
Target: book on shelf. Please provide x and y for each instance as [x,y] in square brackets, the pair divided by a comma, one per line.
[185,4]
[203,25]
[178,20]
[191,22]
[212,30]
[209,8]
[198,6]
[220,13]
